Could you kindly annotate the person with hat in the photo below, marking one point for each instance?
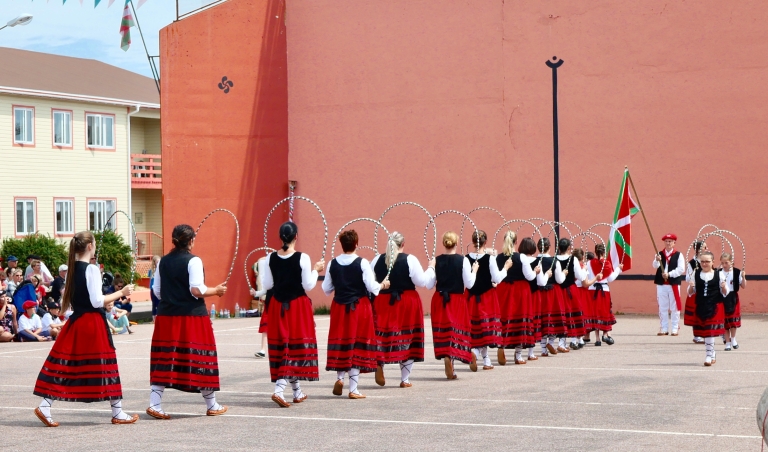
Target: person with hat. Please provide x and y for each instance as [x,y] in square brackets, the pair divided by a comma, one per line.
[670,271]
[32,260]
[58,283]
[13,261]
[30,326]
[51,321]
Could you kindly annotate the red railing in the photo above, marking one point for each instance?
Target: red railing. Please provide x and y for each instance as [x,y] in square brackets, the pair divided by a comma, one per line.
[146,171]
[150,244]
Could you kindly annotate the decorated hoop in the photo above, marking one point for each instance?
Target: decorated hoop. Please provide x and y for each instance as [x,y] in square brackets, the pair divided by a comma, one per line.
[536,230]
[135,241]
[366,247]
[551,225]
[248,256]
[378,223]
[432,221]
[461,233]
[610,238]
[237,237]
[376,230]
[743,249]
[290,199]
[592,236]
[539,219]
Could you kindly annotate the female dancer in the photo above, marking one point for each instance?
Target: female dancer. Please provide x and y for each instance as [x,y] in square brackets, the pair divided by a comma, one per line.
[264,295]
[708,318]
[729,274]
[399,316]
[601,295]
[568,270]
[183,354]
[581,291]
[352,344]
[518,328]
[483,303]
[552,311]
[450,318]
[690,301]
[291,328]
[82,366]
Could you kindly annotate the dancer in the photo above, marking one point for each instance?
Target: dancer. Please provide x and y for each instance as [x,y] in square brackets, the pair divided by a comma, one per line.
[729,274]
[264,295]
[449,314]
[708,320]
[483,303]
[670,266]
[399,316]
[518,326]
[82,366]
[690,301]
[581,291]
[352,344]
[568,271]
[291,328]
[604,318]
[183,354]
[552,311]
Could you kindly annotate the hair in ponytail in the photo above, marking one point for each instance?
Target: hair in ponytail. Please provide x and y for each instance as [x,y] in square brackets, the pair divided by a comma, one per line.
[77,246]
[563,245]
[394,243]
[510,239]
[450,239]
[479,238]
[182,236]
[288,232]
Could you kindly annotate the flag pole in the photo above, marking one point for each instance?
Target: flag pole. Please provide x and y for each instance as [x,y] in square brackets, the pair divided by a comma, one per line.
[639,204]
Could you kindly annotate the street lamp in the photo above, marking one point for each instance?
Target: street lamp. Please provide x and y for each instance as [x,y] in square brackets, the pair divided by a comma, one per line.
[24,19]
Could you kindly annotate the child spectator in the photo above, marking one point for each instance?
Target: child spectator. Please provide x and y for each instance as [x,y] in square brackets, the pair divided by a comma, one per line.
[51,320]
[8,326]
[40,289]
[30,325]
[118,319]
[58,283]
[123,302]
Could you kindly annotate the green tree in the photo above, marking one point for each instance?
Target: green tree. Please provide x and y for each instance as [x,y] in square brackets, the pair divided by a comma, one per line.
[51,251]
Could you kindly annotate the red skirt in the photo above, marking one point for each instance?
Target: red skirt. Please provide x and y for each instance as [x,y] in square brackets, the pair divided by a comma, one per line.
[263,322]
[588,309]
[574,313]
[292,341]
[553,322]
[734,320]
[518,318]
[82,365]
[352,338]
[485,330]
[690,310]
[183,354]
[604,318]
[537,315]
[711,327]
[399,327]
[450,327]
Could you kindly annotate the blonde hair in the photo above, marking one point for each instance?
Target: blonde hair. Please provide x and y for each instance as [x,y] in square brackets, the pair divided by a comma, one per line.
[450,239]
[726,256]
[510,239]
[155,261]
[394,243]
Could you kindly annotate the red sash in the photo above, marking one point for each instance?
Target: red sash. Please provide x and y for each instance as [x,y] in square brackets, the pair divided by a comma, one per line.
[675,287]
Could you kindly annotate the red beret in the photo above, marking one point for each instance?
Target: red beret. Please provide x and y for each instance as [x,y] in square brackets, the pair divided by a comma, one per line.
[29,304]
[669,237]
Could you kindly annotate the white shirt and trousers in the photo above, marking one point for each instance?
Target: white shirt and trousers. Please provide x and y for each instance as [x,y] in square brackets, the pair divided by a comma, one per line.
[666,296]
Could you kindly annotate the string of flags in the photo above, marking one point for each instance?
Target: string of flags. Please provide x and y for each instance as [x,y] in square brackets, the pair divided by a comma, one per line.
[96,3]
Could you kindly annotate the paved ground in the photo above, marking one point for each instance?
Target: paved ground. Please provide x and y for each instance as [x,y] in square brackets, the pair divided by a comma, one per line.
[643,393]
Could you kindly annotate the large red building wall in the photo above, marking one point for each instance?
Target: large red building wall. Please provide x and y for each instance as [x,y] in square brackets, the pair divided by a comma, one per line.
[224,150]
[449,104]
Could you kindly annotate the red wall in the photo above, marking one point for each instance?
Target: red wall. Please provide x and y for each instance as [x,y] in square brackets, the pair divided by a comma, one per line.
[225,150]
[449,104]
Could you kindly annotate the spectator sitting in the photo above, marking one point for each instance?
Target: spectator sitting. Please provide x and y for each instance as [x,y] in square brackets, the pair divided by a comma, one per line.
[25,291]
[40,289]
[13,262]
[58,284]
[8,325]
[31,268]
[123,302]
[3,280]
[51,320]
[118,319]
[30,325]
[14,279]
[37,270]
[42,306]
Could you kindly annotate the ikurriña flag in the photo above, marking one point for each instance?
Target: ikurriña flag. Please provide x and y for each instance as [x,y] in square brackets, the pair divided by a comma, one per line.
[125,26]
[621,231]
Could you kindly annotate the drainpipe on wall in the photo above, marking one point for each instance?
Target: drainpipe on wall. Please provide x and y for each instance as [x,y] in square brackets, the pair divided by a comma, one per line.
[130,201]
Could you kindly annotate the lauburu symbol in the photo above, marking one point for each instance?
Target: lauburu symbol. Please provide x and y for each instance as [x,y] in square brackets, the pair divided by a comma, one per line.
[225,84]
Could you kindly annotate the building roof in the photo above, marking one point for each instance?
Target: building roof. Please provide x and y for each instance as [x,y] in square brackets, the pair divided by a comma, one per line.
[46,75]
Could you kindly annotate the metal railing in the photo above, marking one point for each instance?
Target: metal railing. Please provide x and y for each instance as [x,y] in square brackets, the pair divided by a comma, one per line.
[146,171]
[150,244]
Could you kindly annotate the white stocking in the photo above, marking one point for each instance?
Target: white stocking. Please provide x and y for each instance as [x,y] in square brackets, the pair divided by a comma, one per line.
[45,407]
[709,344]
[354,373]
[210,400]
[117,410]
[156,398]
[405,370]
[296,386]
[280,387]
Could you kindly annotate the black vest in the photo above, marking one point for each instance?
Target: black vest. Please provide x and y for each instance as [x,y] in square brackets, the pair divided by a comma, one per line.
[81,299]
[534,285]
[546,265]
[449,268]
[706,306]
[483,282]
[175,297]
[673,263]
[399,277]
[732,298]
[348,284]
[567,265]
[286,274]
[515,272]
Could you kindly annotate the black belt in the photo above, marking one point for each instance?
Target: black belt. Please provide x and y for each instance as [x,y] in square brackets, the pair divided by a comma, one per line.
[599,288]
[547,287]
[351,306]
[394,297]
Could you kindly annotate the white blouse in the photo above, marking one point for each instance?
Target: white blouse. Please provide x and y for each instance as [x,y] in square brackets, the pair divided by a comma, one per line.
[579,273]
[368,277]
[419,277]
[528,272]
[308,274]
[196,277]
[612,277]
[466,275]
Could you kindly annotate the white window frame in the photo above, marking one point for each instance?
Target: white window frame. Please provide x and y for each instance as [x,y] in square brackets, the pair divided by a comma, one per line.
[98,212]
[65,207]
[24,218]
[65,130]
[99,122]
[30,122]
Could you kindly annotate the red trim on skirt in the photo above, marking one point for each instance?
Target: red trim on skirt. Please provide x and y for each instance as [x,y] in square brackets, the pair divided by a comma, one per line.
[292,341]
[734,320]
[450,327]
[264,322]
[82,365]
[484,320]
[183,354]
[352,338]
[690,310]
[588,309]
[553,321]
[712,327]
[399,327]
[604,318]
[517,315]
[574,313]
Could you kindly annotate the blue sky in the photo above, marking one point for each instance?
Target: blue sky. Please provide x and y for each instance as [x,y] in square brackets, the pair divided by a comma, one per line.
[87,32]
